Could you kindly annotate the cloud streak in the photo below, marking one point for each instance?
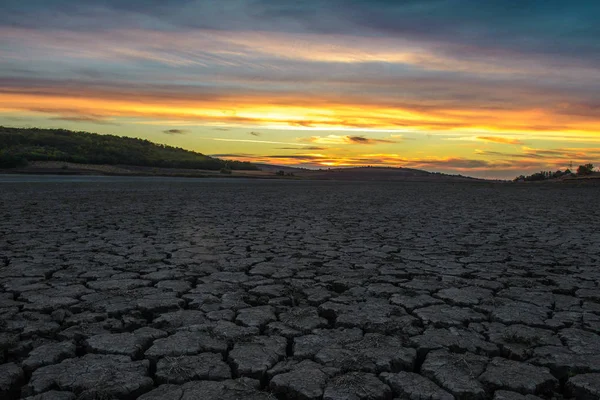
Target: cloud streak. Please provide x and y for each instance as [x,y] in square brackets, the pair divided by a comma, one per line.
[256,141]
[499,139]
[290,110]
[348,139]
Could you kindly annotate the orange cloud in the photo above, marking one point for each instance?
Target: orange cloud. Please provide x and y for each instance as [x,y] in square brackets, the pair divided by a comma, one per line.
[166,106]
[499,139]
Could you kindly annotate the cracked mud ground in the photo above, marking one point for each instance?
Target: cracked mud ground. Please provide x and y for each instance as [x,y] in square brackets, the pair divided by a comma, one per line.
[299,290]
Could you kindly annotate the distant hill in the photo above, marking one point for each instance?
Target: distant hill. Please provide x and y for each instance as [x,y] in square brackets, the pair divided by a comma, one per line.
[18,146]
[275,168]
[381,174]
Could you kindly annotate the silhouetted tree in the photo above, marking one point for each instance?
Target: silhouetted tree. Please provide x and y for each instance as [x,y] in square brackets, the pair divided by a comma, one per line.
[585,169]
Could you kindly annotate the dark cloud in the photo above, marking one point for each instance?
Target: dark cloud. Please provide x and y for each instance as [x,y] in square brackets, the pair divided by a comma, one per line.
[233,155]
[175,131]
[304,148]
[254,133]
[295,156]
[510,155]
[547,154]
[73,115]
[552,27]
[364,140]
[93,120]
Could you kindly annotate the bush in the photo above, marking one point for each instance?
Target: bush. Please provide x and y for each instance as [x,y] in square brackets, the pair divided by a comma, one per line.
[585,169]
[12,161]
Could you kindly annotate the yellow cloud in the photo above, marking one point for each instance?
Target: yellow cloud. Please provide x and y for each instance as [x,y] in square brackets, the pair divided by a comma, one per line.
[499,139]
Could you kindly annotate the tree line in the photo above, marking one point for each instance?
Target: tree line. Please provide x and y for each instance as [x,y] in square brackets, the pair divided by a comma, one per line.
[18,146]
[582,170]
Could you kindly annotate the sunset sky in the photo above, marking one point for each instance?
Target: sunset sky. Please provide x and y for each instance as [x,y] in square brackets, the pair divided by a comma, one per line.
[488,88]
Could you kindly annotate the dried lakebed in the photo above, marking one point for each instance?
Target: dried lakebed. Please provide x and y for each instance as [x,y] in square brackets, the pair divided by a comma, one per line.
[298,290]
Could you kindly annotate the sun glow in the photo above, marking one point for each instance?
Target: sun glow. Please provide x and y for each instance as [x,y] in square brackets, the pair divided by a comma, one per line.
[323,115]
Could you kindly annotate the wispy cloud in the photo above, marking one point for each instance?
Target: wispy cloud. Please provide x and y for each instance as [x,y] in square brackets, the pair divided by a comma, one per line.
[256,141]
[232,155]
[499,139]
[84,118]
[365,140]
[270,110]
[304,148]
[346,139]
[582,154]
[253,133]
[175,131]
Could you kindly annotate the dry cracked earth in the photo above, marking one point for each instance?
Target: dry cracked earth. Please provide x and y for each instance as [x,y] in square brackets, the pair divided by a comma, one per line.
[152,289]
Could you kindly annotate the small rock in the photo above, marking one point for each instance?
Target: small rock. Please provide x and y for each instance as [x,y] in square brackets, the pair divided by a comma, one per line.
[304,319]
[243,388]
[269,290]
[506,395]
[584,386]
[563,362]
[518,377]
[227,331]
[255,357]
[178,287]
[305,381]
[280,329]
[119,284]
[94,375]
[465,296]
[185,343]
[357,386]
[373,353]
[11,377]
[580,341]
[521,313]
[205,366]
[126,344]
[159,305]
[445,316]
[256,316]
[377,316]
[412,302]
[170,321]
[48,354]
[53,395]
[457,373]
[411,386]
[308,346]
[454,339]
